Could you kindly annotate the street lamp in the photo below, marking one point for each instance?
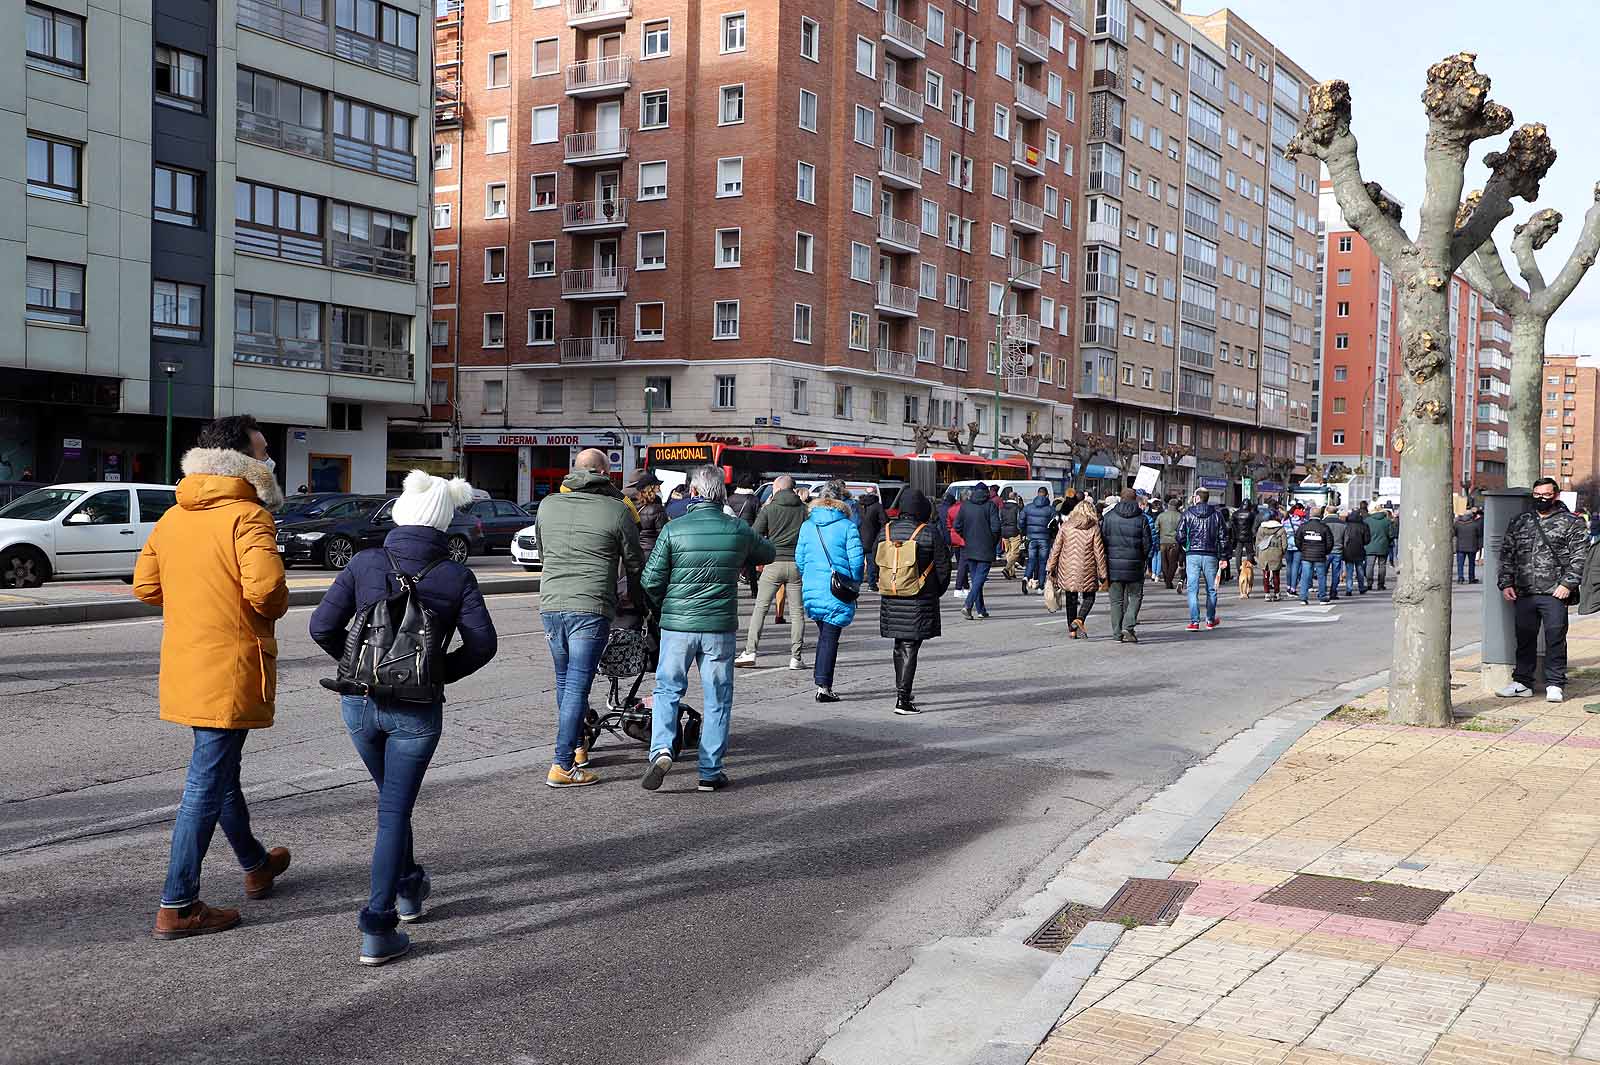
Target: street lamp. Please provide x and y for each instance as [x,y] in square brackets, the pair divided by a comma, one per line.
[171,369]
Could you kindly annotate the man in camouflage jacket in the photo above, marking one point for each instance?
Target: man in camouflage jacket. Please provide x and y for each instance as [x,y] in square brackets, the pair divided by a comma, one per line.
[1541,567]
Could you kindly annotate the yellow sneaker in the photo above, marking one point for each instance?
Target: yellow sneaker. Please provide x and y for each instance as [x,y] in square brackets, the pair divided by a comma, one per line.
[580,758]
[569,778]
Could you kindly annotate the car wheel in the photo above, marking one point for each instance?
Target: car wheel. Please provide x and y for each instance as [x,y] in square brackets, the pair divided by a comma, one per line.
[458,548]
[338,552]
[23,567]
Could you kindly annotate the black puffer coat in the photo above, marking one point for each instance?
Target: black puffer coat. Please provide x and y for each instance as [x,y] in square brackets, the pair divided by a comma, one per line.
[915,617]
[1127,537]
[978,524]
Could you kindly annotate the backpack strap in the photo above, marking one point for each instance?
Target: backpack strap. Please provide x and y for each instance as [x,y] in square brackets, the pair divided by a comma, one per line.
[409,581]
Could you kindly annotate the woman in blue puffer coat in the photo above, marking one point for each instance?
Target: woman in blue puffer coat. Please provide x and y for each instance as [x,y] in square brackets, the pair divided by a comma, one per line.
[829,543]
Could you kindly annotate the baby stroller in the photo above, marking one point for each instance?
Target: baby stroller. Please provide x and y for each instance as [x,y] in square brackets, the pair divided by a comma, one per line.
[631,653]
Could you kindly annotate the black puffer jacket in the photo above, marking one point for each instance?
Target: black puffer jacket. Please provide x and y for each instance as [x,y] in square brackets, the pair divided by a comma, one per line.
[915,617]
[1010,519]
[1314,540]
[652,519]
[1356,536]
[1127,537]
[1469,534]
[870,507]
[978,523]
[1244,528]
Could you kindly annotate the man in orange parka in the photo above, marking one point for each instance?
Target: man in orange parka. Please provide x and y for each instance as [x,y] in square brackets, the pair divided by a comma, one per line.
[212,565]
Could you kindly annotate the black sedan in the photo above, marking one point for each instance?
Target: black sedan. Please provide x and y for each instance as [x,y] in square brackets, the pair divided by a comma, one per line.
[345,528]
[304,506]
[502,520]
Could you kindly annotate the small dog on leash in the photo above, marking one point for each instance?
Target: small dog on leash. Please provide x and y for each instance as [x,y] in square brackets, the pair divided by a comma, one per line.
[1247,576]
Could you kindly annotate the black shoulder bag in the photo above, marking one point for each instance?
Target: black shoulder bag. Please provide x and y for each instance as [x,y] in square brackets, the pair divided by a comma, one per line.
[844,589]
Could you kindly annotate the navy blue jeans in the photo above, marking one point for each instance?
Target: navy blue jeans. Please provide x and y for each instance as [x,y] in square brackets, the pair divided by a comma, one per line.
[1038,552]
[980,573]
[577,640]
[210,795]
[827,653]
[395,742]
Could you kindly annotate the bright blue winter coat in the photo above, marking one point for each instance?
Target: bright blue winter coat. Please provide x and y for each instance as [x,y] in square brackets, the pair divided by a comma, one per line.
[832,527]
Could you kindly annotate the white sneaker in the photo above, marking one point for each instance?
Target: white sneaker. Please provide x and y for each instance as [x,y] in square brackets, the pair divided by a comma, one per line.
[1515,691]
[1553,694]
[959,593]
[795,663]
[746,659]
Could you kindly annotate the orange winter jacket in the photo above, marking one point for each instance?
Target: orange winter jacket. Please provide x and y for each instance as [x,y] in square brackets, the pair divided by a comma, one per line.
[212,565]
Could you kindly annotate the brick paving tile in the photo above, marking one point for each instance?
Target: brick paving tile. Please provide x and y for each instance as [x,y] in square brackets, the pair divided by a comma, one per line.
[1558,916]
[1491,906]
[1546,978]
[1101,1037]
[1525,1017]
[1567,948]
[1394,933]
[1441,874]
[1529,885]
[1094,989]
[1288,999]
[1159,1002]
[1283,852]
[1588,1047]
[1476,969]
[1157,941]
[1314,1056]
[1292,918]
[1354,863]
[1247,933]
[1345,948]
[1207,965]
[1396,1016]
[1221,897]
[1199,1047]
[1457,1050]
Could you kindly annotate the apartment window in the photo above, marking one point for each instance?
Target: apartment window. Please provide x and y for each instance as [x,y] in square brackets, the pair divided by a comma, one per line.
[176,310]
[809,37]
[911,410]
[368,126]
[657,39]
[175,196]
[653,109]
[808,110]
[494,200]
[860,262]
[441,216]
[1338,437]
[1341,341]
[727,320]
[653,250]
[732,110]
[799,395]
[494,330]
[443,156]
[935,24]
[802,323]
[494,265]
[499,10]
[726,392]
[933,90]
[804,245]
[500,68]
[546,57]
[930,218]
[494,396]
[653,180]
[496,134]
[55,168]
[1341,373]
[878,405]
[733,32]
[603,393]
[440,274]
[541,258]
[1345,243]
[180,79]
[861,195]
[1002,122]
[730,176]
[650,323]
[438,337]
[866,57]
[729,248]
[1343,277]
[551,399]
[55,41]
[541,325]
[542,195]
[843,401]
[805,183]
[858,331]
[1002,62]
[1338,405]
[866,127]
[928,281]
[545,125]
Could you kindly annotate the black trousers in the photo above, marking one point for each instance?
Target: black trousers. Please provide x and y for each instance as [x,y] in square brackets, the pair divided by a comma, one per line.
[1531,612]
[905,665]
[1077,604]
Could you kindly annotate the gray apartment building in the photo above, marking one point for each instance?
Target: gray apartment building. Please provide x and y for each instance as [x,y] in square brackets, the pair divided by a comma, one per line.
[217,205]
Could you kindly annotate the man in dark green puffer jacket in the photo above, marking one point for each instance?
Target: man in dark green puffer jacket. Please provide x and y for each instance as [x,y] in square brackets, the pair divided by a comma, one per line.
[692,578]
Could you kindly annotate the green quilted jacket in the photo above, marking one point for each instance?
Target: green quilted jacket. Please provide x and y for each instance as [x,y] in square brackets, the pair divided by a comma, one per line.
[692,576]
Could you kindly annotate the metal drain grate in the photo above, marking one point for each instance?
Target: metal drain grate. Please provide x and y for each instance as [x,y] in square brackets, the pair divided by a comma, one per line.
[1137,902]
[1358,898]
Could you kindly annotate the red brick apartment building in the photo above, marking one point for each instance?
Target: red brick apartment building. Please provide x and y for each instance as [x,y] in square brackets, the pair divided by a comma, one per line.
[1569,424]
[833,220]
[1359,388]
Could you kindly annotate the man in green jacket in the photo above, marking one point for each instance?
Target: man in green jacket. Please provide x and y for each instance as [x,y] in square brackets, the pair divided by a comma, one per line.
[1167,523]
[1380,532]
[779,521]
[584,531]
[692,578]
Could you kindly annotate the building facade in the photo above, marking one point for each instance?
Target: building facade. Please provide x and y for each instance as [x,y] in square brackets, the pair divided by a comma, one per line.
[221,202]
[840,223]
[1569,425]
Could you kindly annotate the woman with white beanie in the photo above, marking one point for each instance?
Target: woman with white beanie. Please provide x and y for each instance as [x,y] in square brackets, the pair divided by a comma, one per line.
[397,739]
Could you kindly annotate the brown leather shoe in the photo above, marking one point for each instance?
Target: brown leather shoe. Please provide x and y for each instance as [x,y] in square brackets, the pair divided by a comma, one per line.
[258,881]
[201,920]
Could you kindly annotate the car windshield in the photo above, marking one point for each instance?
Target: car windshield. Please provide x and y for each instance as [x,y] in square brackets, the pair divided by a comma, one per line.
[303,507]
[41,504]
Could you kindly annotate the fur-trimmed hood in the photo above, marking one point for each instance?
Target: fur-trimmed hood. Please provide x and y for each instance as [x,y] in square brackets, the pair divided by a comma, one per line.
[213,476]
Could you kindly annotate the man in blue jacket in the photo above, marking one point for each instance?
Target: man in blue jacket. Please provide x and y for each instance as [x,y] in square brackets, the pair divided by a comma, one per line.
[978,523]
[1037,518]
[1203,532]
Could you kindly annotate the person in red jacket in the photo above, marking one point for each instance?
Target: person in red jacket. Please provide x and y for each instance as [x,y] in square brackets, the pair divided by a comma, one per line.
[952,510]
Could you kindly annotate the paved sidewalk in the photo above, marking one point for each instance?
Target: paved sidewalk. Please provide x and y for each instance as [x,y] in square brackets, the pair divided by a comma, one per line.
[1505,972]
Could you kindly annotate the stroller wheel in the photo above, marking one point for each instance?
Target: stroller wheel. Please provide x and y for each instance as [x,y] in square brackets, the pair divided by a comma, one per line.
[689,728]
[591,733]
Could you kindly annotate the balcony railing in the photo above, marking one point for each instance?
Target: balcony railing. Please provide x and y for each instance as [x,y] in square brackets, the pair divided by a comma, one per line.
[904,37]
[278,244]
[1278,301]
[1030,99]
[370,362]
[1027,155]
[1205,135]
[1097,384]
[1199,224]
[1021,327]
[1107,79]
[1196,313]
[897,298]
[274,132]
[1098,283]
[1196,268]
[1276,417]
[593,349]
[897,363]
[1020,385]
[902,99]
[900,232]
[1098,336]
[900,167]
[1103,233]
[1107,181]
[1196,357]
[1027,214]
[1205,90]
[364,155]
[312,33]
[611,72]
[594,214]
[598,12]
[1023,272]
[608,281]
[1196,402]
[369,259]
[375,54]
[1202,180]
[288,353]
[1033,42]
[596,145]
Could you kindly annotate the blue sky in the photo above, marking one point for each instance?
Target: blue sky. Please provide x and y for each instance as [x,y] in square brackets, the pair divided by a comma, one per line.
[1538,53]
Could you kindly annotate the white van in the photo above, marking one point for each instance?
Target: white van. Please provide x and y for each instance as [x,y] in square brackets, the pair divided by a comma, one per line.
[1025,490]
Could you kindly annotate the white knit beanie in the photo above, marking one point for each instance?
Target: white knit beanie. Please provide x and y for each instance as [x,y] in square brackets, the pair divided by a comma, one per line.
[430,500]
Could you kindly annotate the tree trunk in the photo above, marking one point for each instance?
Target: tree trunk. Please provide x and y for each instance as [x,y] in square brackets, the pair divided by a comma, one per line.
[1419,682]
[1527,377]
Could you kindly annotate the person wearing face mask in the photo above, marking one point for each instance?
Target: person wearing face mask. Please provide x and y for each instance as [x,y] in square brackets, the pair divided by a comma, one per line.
[1541,568]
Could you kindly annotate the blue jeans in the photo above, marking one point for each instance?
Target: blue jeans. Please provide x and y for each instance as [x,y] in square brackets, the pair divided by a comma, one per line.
[210,795]
[1202,571]
[980,573]
[713,651]
[1467,562]
[395,742]
[1291,563]
[1355,576]
[577,640]
[872,566]
[1335,572]
[1310,571]
[1038,552]
[827,653]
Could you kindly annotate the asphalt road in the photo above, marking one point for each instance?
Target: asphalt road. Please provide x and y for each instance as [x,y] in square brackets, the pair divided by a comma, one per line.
[607,924]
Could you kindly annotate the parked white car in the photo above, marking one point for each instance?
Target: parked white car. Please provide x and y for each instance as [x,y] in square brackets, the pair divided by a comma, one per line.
[90,529]
[525,548]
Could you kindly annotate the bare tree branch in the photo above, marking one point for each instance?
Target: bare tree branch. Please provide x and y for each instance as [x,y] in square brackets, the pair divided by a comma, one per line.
[1529,237]
[1456,98]
[1486,270]
[1578,263]
[1517,172]
[1325,134]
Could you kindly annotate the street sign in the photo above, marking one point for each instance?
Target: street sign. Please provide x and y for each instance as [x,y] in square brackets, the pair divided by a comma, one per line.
[72,447]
